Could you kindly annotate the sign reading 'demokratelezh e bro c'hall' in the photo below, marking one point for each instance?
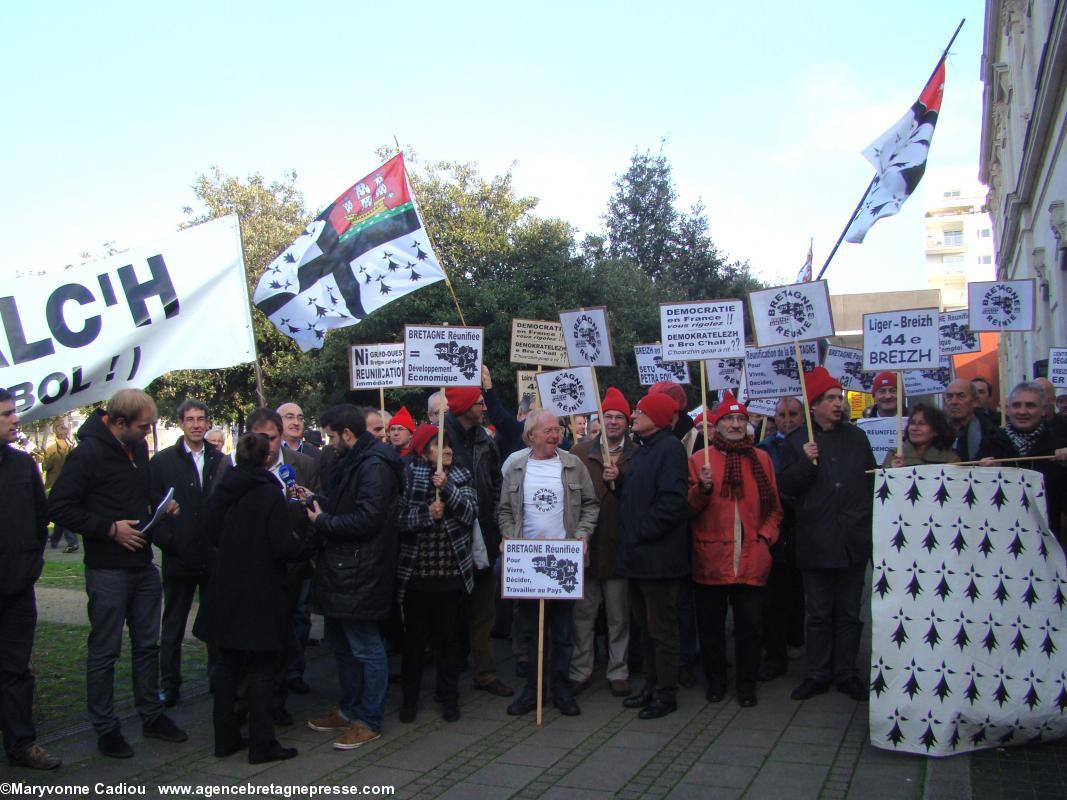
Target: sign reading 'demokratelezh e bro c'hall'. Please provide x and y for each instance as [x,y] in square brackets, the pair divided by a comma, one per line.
[440,355]
[543,569]
[588,341]
[704,329]
[902,340]
[567,391]
[375,366]
[787,314]
[537,341]
[652,368]
[1001,305]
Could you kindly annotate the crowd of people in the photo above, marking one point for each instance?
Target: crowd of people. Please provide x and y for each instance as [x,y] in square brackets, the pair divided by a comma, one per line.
[392,531]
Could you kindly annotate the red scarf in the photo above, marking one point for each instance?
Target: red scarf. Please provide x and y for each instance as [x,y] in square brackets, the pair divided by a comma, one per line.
[733,485]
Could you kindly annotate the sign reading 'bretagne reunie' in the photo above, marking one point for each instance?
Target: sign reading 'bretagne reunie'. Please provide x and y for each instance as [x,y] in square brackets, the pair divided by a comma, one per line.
[567,391]
[440,355]
[1001,305]
[704,329]
[588,341]
[795,313]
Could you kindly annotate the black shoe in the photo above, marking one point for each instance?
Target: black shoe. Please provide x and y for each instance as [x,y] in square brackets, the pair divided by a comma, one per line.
[771,670]
[169,697]
[281,718]
[658,708]
[497,687]
[567,706]
[855,688]
[522,669]
[72,549]
[687,678]
[276,753]
[809,688]
[640,700]
[577,687]
[450,713]
[163,727]
[298,685]
[746,695]
[407,714]
[716,690]
[312,642]
[524,704]
[230,749]
[114,745]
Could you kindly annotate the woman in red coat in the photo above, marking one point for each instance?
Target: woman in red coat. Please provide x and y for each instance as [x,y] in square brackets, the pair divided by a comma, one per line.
[735,512]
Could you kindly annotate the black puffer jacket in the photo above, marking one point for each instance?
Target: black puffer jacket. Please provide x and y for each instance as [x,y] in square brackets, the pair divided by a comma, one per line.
[833,500]
[478,454]
[654,511]
[100,484]
[25,515]
[245,605]
[187,550]
[356,565]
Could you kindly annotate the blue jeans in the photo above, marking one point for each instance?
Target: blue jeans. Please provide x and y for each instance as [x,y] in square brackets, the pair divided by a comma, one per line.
[362,669]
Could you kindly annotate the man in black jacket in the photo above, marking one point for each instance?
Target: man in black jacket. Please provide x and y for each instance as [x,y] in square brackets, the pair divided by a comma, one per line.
[22,540]
[188,467]
[827,485]
[104,494]
[1031,435]
[977,437]
[653,546]
[355,571]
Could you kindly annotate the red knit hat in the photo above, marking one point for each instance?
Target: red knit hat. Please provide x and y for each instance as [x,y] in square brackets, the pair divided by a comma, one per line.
[818,382]
[659,407]
[424,434]
[672,390]
[884,379]
[461,398]
[728,405]
[614,400]
[403,418]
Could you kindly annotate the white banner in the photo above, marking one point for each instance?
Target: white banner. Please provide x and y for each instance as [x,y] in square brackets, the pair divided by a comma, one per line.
[786,314]
[956,334]
[567,391]
[704,329]
[78,336]
[535,341]
[542,569]
[846,364]
[882,434]
[375,366]
[929,381]
[725,373]
[772,371]
[586,333]
[967,604]
[1057,367]
[1001,305]
[901,340]
[651,368]
[441,355]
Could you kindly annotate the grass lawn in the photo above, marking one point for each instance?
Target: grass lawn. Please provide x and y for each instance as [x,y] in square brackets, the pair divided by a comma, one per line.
[63,574]
[58,665]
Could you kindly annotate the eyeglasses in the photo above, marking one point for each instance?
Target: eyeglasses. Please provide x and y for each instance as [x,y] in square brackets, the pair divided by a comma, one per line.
[290,416]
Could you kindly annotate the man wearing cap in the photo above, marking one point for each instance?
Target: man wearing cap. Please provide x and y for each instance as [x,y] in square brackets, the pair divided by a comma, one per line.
[653,550]
[826,483]
[884,390]
[733,500]
[681,424]
[603,585]
[401,429]
[475,451]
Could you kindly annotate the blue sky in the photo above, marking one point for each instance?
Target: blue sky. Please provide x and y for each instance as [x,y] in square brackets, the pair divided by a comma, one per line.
[114,108]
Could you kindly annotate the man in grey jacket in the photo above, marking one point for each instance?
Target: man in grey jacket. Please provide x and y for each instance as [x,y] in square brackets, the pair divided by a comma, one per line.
[547,494]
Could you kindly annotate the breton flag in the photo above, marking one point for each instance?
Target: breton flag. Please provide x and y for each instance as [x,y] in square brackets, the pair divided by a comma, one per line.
[366,249]
[805,271]
[899,155]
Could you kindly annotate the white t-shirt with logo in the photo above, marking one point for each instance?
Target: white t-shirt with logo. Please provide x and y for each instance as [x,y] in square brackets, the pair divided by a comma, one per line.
[542,506]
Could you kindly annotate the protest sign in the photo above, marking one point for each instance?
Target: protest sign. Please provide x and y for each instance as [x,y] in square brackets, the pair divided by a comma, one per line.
[704,329]
[440,355]
[956,334]
[765,406]
[585,332]
[543,569]
[1057,367]
[375,366]
[526,386]
[929,381]
[846,364]
[651,368]
[901,340]
[772,371]
[567,391]
[76,337]
[787,314]
[882,434]
[1001,305]
[725,373]
[535,341]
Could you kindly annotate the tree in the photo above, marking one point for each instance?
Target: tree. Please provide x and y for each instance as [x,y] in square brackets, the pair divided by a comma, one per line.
[642,223]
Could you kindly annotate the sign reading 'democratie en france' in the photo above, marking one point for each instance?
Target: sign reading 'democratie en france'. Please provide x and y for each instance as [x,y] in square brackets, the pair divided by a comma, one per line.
[704,329]
[536,341]
[902,340]
[652,368]
[543,569]
[440,355]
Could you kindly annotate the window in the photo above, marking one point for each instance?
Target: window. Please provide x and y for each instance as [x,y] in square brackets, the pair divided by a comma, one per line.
[983,233]
[952,264]
[985,259]
[954,238]
[951,193]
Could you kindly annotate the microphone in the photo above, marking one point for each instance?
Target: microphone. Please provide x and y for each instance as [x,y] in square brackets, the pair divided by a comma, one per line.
[288,476]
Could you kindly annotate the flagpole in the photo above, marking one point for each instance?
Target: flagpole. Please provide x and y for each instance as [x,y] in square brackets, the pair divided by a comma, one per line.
[859,205]
[258,370]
